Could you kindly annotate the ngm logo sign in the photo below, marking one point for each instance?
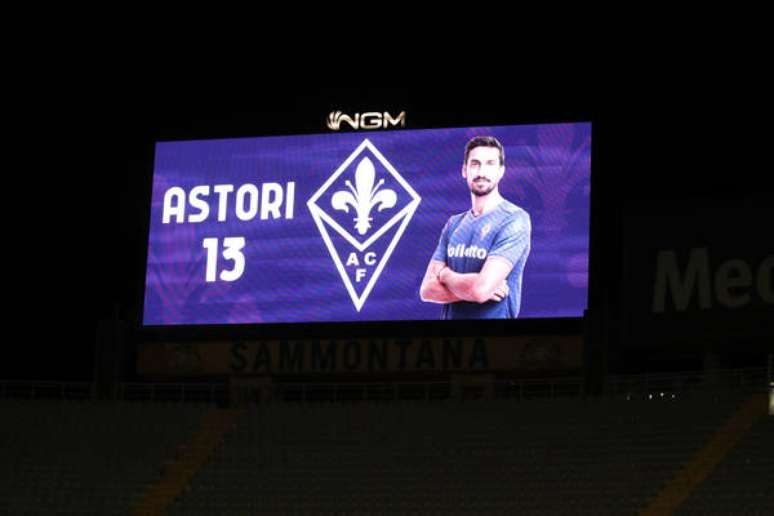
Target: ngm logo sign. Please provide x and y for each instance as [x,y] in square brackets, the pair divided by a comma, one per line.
[362,211]
[370,120]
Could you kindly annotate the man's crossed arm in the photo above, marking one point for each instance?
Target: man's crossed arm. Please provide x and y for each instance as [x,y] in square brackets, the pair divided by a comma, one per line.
[443,285]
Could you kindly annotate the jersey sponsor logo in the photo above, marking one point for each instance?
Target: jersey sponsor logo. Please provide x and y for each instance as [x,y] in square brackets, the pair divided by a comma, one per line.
[357,211]
[460,251]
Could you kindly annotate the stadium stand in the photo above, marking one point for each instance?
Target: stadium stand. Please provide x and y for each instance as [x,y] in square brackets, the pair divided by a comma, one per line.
[615,454]
[495,457]
[744,482]
[63,457]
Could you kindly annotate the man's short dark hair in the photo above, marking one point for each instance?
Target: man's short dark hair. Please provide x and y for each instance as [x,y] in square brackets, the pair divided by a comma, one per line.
[485,141]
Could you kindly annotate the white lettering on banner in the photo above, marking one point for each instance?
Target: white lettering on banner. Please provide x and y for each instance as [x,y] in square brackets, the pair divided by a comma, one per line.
[199,204]
[222,191]
[251,192]
[369,258]
[232,250]
[460,251]
[271,198]
[733,281]
[272,201]
[290,199]
[174,205]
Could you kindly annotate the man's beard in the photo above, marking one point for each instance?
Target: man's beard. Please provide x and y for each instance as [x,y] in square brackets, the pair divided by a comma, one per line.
[487,187]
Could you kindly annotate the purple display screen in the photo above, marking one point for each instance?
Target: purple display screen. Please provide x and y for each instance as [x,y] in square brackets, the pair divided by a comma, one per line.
[344,226]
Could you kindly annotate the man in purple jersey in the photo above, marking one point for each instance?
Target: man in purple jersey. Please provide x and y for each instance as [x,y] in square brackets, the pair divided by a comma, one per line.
[476,270]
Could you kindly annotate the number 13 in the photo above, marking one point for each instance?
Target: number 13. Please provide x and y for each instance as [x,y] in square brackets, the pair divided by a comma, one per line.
[232,250]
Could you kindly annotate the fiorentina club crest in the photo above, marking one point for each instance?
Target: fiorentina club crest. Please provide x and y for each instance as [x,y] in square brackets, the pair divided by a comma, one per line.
[361,211]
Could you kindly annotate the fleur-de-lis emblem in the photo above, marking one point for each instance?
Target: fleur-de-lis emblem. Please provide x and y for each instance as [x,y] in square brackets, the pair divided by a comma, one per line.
[364,196]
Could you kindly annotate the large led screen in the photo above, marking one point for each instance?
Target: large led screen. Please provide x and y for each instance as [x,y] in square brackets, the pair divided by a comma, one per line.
[394,225]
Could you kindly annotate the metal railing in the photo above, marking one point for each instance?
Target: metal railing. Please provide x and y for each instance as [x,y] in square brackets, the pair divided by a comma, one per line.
[261,392]
[686,382]
[173,392]
[628,386]
[46,390]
